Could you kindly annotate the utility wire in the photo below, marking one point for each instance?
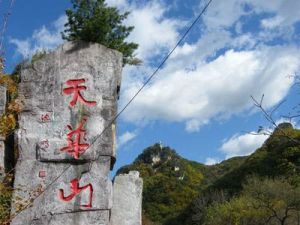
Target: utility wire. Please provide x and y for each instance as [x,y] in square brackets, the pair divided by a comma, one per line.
[129,102]
[154,73]
[4,27]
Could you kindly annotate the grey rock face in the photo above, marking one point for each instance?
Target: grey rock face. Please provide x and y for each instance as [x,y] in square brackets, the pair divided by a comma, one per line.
[70,96]
[33,176]
[2,155]
[127,199]
[78,218]
[2,146]
[2,99]
[48,99]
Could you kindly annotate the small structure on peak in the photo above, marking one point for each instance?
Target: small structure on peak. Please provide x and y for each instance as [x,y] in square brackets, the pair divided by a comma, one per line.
[285,125]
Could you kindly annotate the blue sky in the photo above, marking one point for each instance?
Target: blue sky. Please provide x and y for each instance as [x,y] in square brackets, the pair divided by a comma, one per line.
[199,103]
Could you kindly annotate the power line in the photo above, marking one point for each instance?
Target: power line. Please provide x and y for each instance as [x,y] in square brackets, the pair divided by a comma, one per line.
[155,72]
[4,27]
[129,102]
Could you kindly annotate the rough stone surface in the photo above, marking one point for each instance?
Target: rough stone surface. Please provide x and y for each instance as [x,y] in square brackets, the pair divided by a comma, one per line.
[28,180]
[76,218]
[43,170]
[127,199]
[2,99]
[2,165]
[29,183]
[2,146]
[47,109]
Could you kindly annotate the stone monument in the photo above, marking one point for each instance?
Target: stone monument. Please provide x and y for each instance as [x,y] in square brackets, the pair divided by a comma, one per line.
[70,96]
[2,139]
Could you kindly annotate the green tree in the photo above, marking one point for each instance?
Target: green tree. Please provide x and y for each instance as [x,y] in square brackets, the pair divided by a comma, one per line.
[278,198]
[262,202]
[94,21]
[203,202]
[237,211]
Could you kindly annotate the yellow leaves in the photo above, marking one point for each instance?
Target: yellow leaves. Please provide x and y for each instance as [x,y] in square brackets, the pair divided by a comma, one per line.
[5,196]
[15,106]
[20,202]
[8,123]
[279,204]
[7,81]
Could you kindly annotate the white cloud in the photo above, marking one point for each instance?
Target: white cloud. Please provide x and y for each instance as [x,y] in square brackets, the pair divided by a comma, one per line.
[43,38]
[194,125]
[125,138]
[241,145]
[153,31]
[117,3]
[211,161]
[219,88]
[286,11]
[23,47]
[272,22]
[222,14]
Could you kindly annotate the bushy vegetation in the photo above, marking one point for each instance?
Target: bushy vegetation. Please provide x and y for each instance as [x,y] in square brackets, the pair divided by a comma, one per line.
[262,201]
[8,121]
[279,156]
[5,200]
[274,168]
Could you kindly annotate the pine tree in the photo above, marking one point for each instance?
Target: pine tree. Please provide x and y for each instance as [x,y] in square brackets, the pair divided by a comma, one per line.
[94,21]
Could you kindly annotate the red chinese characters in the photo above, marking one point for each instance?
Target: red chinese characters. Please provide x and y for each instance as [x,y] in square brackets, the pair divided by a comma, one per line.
[76,89]
[42,174]
[75,190]
[74,138]
[44,144]
[45,118]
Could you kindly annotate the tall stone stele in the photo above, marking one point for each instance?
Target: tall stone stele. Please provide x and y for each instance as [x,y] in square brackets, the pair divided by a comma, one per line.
[70,96]
[2,139]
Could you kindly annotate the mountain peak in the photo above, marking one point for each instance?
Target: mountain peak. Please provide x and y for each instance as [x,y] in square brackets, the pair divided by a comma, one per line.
[284,125]
[157,154]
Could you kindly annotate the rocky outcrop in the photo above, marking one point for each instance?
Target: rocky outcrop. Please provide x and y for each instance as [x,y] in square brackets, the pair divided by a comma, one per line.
[2,99]
[2,139]
[127,199]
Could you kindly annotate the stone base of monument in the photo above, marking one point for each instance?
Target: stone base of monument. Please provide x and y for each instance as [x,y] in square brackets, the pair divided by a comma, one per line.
[80,218]
[77,190]
[2,156]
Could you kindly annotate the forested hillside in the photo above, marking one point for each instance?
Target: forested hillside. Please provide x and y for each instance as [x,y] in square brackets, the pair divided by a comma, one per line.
[258,189]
